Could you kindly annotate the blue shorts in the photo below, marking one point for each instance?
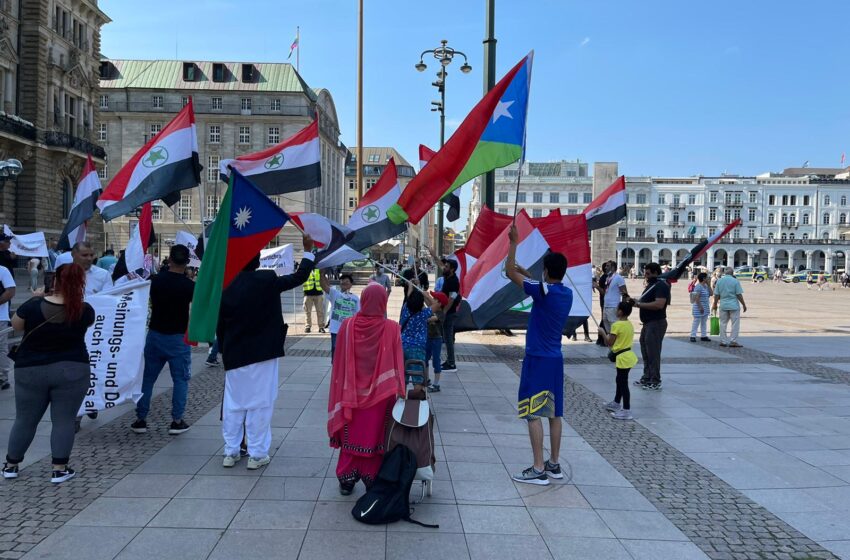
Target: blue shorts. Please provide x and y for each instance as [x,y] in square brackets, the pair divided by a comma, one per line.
[541,388]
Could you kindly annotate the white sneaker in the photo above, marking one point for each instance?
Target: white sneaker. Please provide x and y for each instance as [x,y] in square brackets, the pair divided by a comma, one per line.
[623,415]
[254,464]
[230,460]
[613,406]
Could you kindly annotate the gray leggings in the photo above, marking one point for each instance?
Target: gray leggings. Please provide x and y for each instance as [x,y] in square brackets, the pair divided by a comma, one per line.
[62,385]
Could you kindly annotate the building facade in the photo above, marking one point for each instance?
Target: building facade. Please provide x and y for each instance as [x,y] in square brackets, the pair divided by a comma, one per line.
[240,108]
[374,161]
[49,55]
[543,187]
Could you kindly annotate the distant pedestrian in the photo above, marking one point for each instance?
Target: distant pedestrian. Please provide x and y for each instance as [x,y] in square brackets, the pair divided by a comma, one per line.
[541,385]
[51,369]
[107,261]
[251,334]
[32,267]
[450,287]
[615,291]
[620,340]
[7,292]
[382,279]
[652,304]
[823,283]
[700,306]
[343,304]
[810,280]
[729,298]
[314,298]
[434,347]
[171,296]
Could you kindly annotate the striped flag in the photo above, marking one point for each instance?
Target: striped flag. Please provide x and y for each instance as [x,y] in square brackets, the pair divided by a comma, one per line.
[82,210]
[291,166]
[294,44]
[699,249]
[327,234]
[609,207]
[167,164]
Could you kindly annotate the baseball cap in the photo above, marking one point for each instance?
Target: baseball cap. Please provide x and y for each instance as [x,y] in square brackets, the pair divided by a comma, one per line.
[4,237]
[441,297]
[63,259]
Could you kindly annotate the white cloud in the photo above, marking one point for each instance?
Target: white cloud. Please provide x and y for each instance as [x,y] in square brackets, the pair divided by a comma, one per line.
[584,42]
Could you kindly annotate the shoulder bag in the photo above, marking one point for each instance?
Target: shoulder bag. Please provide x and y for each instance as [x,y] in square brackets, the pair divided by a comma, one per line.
[15,348]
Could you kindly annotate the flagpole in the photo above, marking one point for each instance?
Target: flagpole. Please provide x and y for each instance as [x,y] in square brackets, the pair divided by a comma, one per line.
[176,215]
[581,297]
[403,279]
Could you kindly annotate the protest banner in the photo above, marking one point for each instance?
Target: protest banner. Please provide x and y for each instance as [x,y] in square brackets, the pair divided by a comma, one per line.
[28,245]
[280,259]
[190,241]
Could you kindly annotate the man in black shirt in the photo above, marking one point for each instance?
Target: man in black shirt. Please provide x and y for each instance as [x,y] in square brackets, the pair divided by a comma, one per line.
[7,257]
[652,304]
[171,296]
[451,287]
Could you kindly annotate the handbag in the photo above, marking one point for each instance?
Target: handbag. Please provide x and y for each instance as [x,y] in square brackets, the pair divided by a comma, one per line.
[15,348]
[613,355]
[715,325]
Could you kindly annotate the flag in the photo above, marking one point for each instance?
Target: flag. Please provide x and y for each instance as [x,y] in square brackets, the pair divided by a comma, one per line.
[291,166]
[168,163]
[82,209]
[699,249]
[487,289]
[491,136]
[609,207]
[327,234]
[842,158]
[140,239]
[452,199]
[247,220]
[294,45]
[27,245]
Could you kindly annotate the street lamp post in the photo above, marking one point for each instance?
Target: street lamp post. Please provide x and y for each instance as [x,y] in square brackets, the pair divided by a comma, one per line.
[445,54]
[10,169]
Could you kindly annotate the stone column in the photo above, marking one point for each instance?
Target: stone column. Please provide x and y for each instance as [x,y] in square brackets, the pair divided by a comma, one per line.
[771,259]
[619,260]
[655,254]
[709,260]
[809,259]
[791,263]
[827,266]
[730,258]
[603,241]
[749,259]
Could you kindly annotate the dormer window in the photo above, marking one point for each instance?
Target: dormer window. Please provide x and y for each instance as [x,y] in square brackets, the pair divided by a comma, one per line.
[218,72]
[248,73]
[106,70]
[190,72]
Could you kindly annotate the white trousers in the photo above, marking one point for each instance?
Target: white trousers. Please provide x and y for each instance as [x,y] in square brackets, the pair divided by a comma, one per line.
[609,317]
[249,396]
[725,318]
[700,322]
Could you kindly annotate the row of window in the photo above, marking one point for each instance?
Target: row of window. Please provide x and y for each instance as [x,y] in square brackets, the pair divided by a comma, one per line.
[244,133]
[216,103]
[69,27]
[536,212]
[791,219]
[554,197]
[640,233]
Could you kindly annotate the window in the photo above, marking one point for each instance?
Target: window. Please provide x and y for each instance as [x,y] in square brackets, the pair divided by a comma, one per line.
[826,200]
[677,199]
[212,169]
[784,236]
[572,198]
[640,215]
[792,219]
[771,219]
[843,201]
[215,103]
[659,234]
[692,199]
[712,196]
[692,217]
[791,236]
[784,219]
[751,214]
[712,214]
[184,207]
[661,199]
[156,102]
[621,233]
[770,236]
[675,218]
[784,200]
[215,134]
[537,197]
[675,235]
[842,219]
[244,134]
[520,197]
[101,132]
[805,219]
[189,71]
[370,183]
[771,200]
[248,73]
[826,236]
[218,72]
[104,102]
[587,197]
[155,129]
[736,214]
[727,215]
[659,217]
[537,213]
[102,172]
[274,135]
[554,198]
[503,211]
[826,219]
[352,184]
[572,212]
[806,236]
[213,204]
[503,196]
[793,200]
[246,104]
[640,232]
[751,234]
[184,101]
[739,198]
[275,105]
[352,202]
[806,200]
[753,197]
[640,198]
[156,212]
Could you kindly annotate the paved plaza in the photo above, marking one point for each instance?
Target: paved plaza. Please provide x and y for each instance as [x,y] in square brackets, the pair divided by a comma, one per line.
[743,454]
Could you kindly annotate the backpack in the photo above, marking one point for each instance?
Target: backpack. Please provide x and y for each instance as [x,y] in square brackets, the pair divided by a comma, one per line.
[388,499]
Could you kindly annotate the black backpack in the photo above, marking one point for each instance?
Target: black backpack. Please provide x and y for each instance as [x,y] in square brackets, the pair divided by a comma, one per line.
[388,500]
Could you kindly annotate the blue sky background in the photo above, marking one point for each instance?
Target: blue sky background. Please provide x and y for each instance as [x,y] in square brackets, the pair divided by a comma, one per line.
[663,87]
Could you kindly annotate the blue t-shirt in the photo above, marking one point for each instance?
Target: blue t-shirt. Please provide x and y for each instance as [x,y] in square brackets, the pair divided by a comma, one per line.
[415,332]
[549,313]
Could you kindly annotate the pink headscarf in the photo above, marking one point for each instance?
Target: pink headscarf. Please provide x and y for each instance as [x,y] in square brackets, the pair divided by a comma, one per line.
[369,363]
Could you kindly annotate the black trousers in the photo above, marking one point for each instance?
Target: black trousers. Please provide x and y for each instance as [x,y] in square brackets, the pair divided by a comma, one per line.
[623,388]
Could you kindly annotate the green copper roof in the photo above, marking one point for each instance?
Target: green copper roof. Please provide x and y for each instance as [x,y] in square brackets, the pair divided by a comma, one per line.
[168,74]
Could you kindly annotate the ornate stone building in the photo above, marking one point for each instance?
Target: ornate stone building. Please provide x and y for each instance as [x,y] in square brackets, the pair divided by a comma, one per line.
[240,108]
[49,56]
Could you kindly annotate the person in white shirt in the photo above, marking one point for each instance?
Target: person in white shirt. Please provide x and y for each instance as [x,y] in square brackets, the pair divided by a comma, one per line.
[8,284]
[343,304]
[97,279]
[615,290]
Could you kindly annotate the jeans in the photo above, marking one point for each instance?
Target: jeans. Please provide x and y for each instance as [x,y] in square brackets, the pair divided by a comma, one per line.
[701,322]
[449,337]
[726,317]
[651,337]
[433,349]
[159,350]
[213,355]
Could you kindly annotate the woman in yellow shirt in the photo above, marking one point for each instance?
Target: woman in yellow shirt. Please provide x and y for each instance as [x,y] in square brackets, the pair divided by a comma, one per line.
[620,341]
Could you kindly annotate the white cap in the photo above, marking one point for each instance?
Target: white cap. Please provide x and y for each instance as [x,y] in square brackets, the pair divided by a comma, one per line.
[63,259]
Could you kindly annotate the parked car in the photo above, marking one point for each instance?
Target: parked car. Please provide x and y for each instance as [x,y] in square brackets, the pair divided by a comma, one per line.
[757,273]
[803,274]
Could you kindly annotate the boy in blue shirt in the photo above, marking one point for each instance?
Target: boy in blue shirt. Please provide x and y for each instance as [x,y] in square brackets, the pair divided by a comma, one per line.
[541,385]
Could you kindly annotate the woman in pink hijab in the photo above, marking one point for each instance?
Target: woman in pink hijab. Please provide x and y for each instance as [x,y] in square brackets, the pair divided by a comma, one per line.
[367,378]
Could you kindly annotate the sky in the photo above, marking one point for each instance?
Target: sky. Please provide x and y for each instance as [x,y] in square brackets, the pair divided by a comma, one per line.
[663,87]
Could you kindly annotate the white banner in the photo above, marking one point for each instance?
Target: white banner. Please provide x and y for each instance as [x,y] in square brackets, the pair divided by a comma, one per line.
[280,259]
[29,245]
[190,241]
[116,344]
